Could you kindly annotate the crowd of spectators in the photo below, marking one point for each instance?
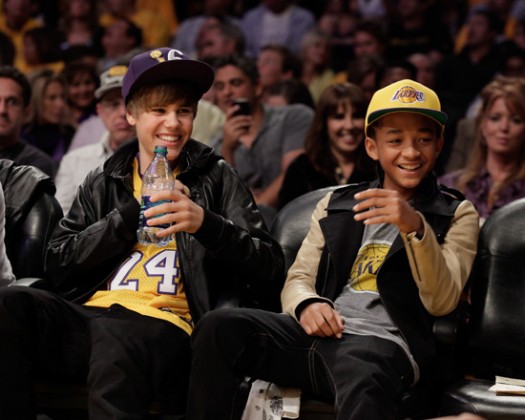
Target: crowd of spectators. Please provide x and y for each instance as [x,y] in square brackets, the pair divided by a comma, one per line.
[286,109]
[299,48]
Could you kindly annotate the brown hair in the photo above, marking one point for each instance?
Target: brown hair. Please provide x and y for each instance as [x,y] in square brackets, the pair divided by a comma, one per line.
[317,143]
[39,83]
[512,90]
[148,96]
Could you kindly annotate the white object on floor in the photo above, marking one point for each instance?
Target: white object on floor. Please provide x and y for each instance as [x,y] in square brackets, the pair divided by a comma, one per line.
[268,401]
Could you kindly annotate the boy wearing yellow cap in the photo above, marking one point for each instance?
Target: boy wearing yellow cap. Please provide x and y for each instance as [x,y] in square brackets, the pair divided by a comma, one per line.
[380,261]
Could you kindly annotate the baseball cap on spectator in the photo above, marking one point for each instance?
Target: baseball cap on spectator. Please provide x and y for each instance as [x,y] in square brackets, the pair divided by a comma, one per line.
[110,79]
[165,64]
[405,96]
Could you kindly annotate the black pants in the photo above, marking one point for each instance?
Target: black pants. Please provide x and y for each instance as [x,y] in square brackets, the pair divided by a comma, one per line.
[128,359]
[365,376]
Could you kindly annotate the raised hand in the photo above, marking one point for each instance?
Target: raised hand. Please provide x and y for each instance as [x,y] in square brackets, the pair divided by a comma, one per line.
[387,206]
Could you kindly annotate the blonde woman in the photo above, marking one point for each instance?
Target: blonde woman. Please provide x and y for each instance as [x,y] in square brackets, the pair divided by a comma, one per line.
[495,172]
[315,56]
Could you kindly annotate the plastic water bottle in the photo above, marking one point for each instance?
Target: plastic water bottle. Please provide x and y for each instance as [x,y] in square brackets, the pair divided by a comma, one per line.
[158,177]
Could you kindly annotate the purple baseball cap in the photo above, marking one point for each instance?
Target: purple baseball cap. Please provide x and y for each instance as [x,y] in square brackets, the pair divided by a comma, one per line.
[165,64]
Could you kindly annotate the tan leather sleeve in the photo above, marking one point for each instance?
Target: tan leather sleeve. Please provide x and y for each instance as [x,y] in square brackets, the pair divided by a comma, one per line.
[441,271]
[300,282]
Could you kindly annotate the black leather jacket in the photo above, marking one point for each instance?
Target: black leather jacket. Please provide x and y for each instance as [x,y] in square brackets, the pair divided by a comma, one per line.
[21,184]
[31,213]
[231,254]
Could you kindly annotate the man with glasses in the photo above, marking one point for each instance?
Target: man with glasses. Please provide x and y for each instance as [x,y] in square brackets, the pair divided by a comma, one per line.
[111,109]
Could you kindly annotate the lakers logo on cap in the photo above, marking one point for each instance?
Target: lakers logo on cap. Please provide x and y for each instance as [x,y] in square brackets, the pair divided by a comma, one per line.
[408,95]
[117,71]
[172,55]
[157,55]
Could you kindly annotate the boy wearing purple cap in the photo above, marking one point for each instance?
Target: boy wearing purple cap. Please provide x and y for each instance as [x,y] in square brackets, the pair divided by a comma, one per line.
[382,259]
[126,310]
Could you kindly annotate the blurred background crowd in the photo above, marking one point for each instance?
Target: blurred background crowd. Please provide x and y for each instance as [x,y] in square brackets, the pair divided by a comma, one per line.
[307,69]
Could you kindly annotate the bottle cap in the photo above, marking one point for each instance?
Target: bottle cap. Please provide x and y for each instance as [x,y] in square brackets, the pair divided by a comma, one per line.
[161,149]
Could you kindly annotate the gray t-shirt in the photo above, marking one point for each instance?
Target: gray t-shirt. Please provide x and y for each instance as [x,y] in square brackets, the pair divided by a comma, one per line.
[359,302]
[283,130]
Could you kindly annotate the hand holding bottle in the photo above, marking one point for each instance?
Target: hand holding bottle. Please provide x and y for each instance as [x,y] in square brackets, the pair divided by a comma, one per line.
[177,209]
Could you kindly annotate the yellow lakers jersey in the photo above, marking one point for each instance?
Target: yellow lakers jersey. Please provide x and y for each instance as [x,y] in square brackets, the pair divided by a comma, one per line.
[148,281]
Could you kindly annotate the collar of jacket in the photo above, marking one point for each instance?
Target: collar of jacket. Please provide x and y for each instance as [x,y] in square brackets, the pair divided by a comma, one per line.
[194,155]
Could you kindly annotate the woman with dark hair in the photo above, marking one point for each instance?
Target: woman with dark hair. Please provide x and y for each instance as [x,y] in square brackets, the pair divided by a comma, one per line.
[495,174]
[334,147]
[81,82]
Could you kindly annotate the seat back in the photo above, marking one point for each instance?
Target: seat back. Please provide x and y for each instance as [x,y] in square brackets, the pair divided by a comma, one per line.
[292,223]
[496,337]
[31,215]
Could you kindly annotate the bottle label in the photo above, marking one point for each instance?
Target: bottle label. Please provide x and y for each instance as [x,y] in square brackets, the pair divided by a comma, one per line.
[146,204]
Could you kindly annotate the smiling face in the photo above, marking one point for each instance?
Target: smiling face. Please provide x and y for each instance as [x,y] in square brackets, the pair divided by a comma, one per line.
[81,91]
[159,121]
[406,145]
[345,130]
[503,130]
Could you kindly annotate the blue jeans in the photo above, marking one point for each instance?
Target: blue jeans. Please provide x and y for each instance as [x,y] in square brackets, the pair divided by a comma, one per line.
[364,376]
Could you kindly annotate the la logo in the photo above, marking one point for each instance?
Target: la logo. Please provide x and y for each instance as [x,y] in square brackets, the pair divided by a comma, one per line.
[172,55]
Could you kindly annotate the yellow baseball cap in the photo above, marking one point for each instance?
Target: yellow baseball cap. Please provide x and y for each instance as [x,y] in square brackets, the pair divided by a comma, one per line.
[405,96]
